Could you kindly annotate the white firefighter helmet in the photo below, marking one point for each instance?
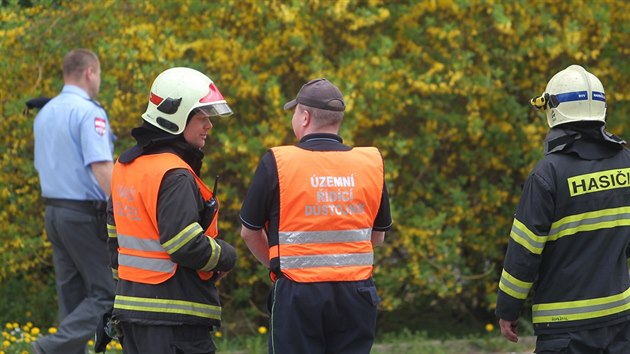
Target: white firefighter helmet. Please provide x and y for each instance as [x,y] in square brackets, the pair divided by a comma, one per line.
[176,92]
[573,95]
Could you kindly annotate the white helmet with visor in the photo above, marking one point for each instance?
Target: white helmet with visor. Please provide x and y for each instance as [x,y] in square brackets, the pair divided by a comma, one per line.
[177,92]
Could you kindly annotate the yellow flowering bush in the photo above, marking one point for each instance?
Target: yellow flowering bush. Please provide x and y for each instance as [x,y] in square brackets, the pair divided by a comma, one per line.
[18,339]
[440,86]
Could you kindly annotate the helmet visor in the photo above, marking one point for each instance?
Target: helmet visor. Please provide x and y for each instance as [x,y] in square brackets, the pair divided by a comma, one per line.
[216,109]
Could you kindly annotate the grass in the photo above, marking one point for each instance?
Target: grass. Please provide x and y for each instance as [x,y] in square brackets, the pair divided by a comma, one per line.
[17,338]
[406,342]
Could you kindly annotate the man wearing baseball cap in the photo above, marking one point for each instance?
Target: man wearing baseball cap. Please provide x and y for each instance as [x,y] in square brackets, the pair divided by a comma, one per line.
[312,215]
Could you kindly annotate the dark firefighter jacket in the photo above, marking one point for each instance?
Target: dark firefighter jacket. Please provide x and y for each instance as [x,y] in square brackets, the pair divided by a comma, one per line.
[570,233]
[185,297]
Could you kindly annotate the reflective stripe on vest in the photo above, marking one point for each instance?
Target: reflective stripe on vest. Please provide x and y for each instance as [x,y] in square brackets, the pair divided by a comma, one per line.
[581,309]
[141,256]
[350,241]
[328,203]
[180,307]
[332,260]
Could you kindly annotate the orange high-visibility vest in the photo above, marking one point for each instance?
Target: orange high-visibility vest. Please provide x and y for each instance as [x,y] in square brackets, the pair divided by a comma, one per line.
[141,257]
[328,203]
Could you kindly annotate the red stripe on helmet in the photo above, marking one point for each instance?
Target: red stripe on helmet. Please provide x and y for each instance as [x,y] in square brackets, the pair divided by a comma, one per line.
[155,99]
[213,95]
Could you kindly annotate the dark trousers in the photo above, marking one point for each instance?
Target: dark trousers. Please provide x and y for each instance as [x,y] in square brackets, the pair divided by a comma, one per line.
[322,318]
[183,339]
[85,287]
[613,339]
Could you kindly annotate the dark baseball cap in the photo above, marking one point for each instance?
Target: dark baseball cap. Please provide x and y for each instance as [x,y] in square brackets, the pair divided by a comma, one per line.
[319,93]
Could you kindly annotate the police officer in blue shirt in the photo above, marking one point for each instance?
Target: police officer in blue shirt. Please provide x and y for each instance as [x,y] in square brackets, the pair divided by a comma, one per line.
[74,158]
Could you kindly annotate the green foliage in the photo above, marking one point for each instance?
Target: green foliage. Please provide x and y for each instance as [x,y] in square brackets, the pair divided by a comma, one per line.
[40,298]
[441,87]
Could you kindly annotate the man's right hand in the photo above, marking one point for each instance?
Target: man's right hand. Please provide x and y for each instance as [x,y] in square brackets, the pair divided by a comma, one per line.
[509,329]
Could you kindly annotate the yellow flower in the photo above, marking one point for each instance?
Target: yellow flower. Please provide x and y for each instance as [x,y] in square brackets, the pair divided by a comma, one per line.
[218,334]
[489,327]
[6,343]
[262,329]
[118,346]
[52,330]
[9,326]
[91,342]
[35,331]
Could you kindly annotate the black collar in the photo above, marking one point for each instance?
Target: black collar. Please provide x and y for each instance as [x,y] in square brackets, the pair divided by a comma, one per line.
[321,137]
[588,141]
[152,140]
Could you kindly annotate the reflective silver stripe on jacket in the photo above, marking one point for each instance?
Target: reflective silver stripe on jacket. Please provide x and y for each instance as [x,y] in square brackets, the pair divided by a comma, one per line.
[513,286]
[182,238]
[146,245]
[527,238]
[323,237]
[581,309]
[167,306]
[590,221]
[327,260]
[301,237]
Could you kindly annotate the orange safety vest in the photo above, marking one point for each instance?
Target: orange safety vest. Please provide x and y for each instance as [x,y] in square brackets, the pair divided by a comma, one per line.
[328,203]
[141,256]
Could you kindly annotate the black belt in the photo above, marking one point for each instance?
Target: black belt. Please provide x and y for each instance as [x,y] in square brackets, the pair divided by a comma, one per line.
[92,207]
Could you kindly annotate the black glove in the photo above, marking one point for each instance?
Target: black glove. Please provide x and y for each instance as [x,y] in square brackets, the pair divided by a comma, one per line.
[106,330]
[102,339]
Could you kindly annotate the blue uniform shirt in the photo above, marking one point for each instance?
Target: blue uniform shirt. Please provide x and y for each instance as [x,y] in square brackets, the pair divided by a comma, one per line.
[71,132]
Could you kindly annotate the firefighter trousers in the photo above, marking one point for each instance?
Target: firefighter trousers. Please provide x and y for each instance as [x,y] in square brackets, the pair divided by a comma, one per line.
[614,339]
[161,339]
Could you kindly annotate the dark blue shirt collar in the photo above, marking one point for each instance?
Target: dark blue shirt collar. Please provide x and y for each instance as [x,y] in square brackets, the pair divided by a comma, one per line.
[321,137]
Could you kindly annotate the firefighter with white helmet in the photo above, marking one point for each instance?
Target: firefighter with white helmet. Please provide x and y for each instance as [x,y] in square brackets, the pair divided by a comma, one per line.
[573,95]
[166,251]
[571,228]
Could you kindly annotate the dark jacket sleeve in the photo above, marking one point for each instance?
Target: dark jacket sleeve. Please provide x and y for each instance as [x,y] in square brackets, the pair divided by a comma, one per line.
[528,236]
[179,211]
[112,239]
[256,207]
[383,220]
